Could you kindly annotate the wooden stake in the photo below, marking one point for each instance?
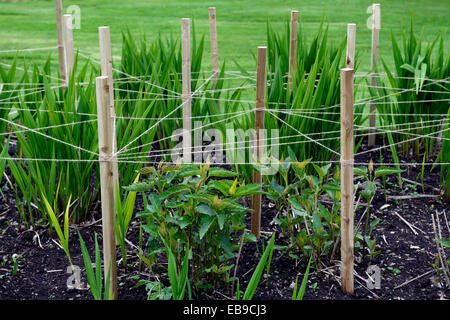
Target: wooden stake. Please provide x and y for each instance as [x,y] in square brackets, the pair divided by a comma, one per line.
[293,46]
[259,128]
[214,48]
[186,95]
[59,28]
[106,182]
[373,64]
[69,52]
[106,68]
[347,180]
[351,38]
[68,44]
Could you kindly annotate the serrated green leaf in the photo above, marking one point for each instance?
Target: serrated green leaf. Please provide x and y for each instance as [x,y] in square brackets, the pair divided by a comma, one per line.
[205,198]
[249,189]
[173,191]
[360,171]
[189,172]
[331,187]
[384,171]
[317,224]
[225,243]
[222,173]
[204,208]
[221,219]
[156,202]
[205,223]
[221,186]
[142,186]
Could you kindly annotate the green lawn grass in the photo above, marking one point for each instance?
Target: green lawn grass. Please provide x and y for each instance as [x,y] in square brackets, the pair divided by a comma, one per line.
[241,24]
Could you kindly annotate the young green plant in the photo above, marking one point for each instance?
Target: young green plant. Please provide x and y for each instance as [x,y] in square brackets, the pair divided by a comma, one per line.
[124,213]
[302,289]
[178,279]
[62,235]
[256,276]
[95,280]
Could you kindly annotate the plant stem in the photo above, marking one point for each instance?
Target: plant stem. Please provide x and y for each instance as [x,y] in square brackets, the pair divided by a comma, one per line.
[367,216]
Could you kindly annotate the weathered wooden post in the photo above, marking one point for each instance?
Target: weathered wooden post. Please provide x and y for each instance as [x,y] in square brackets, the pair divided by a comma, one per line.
[293,46]
[214,46]
[106,69]
[347,180]
[186,95]
[68,44]
[61,52]
[373,63]
[106,182]
[259,128]
[351,39]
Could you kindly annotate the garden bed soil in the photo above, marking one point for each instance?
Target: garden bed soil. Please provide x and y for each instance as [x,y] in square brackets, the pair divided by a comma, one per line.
[43,271]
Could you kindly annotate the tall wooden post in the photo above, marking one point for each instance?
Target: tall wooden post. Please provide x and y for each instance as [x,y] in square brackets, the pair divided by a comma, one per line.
[347,180]
[214,47]
[186,95]
[61,53]
[293,46]
[106,182]
[373,63]
[106,68]
[351,39]
[259,129]
[68,44]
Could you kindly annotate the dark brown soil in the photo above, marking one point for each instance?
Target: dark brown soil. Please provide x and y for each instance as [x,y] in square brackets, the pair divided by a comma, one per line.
[42,271]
